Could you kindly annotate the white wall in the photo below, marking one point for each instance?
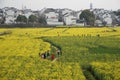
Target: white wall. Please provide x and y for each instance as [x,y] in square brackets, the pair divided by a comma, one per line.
[10,17]
[78,14]
[55,23]
[70,20]
[98,23]
[80,24]
[52,17]
[108,21]
[9,20]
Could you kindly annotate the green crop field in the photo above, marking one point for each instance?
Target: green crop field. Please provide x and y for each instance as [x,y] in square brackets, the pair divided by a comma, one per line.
[87,49]
[87,53]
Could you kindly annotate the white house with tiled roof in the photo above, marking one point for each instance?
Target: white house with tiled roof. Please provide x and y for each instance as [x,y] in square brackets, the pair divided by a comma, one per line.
[10,15]
[69,19]
[52,17]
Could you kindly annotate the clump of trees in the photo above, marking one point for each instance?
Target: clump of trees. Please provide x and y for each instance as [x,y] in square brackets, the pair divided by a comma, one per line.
[117,13]
[32,19]
[21,19]
[2,20]
[42,20]
[88,16]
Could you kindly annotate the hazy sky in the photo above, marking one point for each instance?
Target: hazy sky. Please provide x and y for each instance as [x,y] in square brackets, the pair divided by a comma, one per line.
[72,4]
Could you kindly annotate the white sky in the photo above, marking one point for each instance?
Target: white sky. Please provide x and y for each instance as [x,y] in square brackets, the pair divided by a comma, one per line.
[72,4]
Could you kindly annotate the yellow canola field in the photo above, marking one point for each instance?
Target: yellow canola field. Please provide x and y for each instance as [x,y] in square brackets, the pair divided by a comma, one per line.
[37,32]
[106,71]
[22,47]
[20,60]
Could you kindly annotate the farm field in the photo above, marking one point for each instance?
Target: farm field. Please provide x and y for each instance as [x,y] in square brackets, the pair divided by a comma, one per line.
[106,71]
[84,50]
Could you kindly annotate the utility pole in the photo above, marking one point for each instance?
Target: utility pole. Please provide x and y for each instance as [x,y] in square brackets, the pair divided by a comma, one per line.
[91,6]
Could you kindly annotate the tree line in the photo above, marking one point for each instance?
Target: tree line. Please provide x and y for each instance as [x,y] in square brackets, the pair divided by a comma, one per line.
[31,19]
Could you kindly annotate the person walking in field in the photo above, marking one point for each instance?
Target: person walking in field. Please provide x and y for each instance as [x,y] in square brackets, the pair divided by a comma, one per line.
[39,54]
[48,53]
[98,35]
[58,52]
[52,56]
[42,56]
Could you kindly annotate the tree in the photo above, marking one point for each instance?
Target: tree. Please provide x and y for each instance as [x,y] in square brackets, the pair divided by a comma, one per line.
[22,19]
[88,16]
[33,18]
[42,19]
[60,17]
[104,23]
[2,20]
[117,12]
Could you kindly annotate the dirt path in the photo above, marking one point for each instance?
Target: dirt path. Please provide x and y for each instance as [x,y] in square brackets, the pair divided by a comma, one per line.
[55,60]
[88,74]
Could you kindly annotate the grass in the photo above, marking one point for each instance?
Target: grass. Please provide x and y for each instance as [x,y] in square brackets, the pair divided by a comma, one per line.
[87,49]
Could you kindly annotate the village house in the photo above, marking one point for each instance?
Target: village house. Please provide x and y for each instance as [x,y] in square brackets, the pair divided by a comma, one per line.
[103,17]
[9,15]
[107,18]
[52,17]
[69,19]
[73,18]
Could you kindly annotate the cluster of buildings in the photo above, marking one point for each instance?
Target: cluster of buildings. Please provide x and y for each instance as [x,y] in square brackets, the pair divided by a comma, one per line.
[105,17]
[10,14]
[60,16]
